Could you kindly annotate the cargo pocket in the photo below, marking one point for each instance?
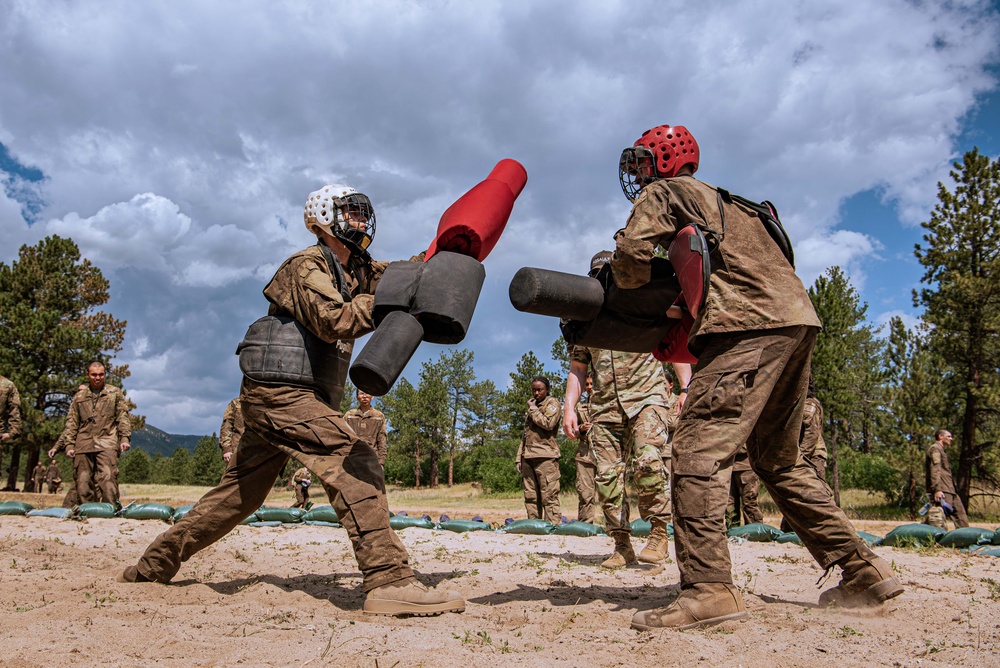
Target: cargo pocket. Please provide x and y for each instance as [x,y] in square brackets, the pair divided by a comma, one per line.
[719,388]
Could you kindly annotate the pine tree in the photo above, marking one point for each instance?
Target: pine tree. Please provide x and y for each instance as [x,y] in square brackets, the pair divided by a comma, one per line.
[961,298]
[207,465]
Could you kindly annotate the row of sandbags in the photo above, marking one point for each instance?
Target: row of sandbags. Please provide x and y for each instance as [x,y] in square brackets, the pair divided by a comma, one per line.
[972,539]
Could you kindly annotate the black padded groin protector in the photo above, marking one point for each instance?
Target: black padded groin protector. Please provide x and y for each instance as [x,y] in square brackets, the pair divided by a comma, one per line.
[383,358]
[396,288]
[556,294]
[446,296]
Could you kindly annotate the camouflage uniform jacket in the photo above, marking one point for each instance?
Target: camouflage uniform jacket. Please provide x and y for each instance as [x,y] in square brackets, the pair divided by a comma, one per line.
[10,408]
[937,471]
[811,442]
[232,427]
[38,475]
[541,425]
[370,427]
[584,413]
[624,383]
[97,421]
[752,286]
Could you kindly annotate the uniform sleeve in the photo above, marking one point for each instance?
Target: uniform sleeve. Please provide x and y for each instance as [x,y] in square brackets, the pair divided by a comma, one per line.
[547,415]
[122,419]
[13,412]
[304,288]
[580,354]
[935,471]
[381,444]
[226,430]
[72,427]
[649,225]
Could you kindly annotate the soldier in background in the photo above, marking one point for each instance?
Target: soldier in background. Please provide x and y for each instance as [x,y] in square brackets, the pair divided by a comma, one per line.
[628,435]
[10,412]
[369,424]
[97,431]
[586,465]
[940,486]
[53,477]
[811,443]
[537,457]
[301,480]
[38,478]
[231,430]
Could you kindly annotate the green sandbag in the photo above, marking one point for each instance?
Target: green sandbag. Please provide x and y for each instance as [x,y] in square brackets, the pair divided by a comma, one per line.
[870,539]
[15,508]
[321,514]
[996,536]
[399,522]
[98,509]
[267,523]
[285,515]
[756,532]
[985,550]
[181,511]
[530,527]
[319,523]
[966,537]
[581,529]
[61,513]
[149,511]
[910,535]
[461,526]
[789,537]
[641,528]
[250,520]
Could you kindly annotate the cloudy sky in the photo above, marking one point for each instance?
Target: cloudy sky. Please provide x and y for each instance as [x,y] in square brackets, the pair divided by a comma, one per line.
[177,142]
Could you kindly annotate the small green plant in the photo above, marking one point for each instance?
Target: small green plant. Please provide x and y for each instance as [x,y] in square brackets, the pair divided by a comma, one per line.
[845,632]
[993,587]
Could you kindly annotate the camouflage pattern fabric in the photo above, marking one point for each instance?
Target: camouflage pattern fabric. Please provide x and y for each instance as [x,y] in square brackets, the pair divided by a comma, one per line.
[232,428]
[370,427]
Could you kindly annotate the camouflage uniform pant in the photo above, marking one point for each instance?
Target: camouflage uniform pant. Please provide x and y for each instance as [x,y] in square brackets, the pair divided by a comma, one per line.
[301,496]
[285,422]
[749,388]
[96,470]
[936,516]
[631,446]
[540,477]
[586,490]
[743,495]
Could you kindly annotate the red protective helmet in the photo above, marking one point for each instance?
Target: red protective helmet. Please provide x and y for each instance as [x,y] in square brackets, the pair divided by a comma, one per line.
[658,154]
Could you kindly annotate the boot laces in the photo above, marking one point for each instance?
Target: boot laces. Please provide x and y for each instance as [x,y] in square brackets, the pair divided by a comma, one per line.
[824,577]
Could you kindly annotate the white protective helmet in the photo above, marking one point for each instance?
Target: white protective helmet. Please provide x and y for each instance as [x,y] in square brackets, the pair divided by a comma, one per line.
[343,212]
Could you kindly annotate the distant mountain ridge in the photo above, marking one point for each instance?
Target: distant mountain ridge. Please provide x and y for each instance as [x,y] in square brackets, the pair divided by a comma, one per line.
[158,442]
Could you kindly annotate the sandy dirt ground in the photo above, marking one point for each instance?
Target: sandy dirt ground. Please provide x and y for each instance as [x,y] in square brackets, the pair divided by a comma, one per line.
[291,596]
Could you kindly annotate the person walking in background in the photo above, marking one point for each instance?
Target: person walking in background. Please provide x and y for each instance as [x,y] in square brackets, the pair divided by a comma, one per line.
[369,424]
[586,465]
[231,430]
[940,486]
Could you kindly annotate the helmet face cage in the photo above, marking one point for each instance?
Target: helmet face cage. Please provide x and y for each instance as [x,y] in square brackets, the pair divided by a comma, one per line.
[636,168]
[355,220]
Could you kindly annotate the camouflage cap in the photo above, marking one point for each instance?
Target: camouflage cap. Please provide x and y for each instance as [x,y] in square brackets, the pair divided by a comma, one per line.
[599,261]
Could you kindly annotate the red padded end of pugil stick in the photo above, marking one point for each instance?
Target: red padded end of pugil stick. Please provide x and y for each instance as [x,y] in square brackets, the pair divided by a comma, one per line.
[473,224]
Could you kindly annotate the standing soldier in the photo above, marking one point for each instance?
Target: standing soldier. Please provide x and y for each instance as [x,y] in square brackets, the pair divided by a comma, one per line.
[538,455]
[586,465]
[628,433]
[301,480]
[753,334]
[321,299]
[940,486]
[231,430]
[38,477]
[97,430]
[53,477]
[369,424]
[10,412]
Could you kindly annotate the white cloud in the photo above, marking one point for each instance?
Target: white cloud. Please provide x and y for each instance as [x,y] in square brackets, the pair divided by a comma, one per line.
[180,140]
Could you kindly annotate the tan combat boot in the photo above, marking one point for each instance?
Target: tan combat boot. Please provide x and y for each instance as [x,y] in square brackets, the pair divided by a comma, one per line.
[701,604]
[409,597]
[623,555]
[867,580]
[655,551]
